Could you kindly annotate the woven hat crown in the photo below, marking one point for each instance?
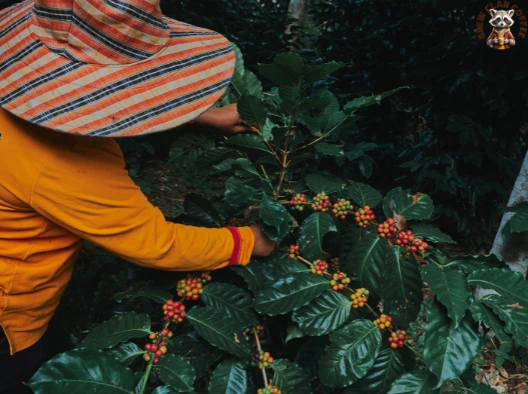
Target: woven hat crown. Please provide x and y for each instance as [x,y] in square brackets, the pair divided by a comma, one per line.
[103,32]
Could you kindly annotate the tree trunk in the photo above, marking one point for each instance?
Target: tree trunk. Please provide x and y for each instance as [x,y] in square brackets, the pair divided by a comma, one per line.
[299,12]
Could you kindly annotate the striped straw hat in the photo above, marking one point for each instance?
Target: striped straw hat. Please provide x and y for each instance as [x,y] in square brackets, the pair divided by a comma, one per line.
[108,68]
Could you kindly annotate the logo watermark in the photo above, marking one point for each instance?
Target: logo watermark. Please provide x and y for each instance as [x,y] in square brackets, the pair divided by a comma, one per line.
[501,23]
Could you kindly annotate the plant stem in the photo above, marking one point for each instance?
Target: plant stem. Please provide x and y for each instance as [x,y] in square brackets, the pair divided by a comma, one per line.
[283,171]
[264,375]
[146,376]
[321,137]
[268,144]
[414,351]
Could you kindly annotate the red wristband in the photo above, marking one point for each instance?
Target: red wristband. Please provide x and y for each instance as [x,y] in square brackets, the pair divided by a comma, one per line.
[235,256]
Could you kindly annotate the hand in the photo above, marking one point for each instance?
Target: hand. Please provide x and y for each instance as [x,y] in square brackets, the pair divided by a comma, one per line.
[495,40]
[263,245]
[226,120]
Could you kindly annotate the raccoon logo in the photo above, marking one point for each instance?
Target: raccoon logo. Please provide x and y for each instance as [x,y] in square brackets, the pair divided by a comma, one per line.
[501,38]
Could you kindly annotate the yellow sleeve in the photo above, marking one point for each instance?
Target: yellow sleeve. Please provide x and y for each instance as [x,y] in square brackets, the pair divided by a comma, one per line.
[87,190]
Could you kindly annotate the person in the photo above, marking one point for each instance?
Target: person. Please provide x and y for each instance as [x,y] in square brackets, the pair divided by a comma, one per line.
[75,74]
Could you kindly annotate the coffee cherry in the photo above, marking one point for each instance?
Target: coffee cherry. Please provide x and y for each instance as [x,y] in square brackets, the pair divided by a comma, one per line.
[409,241]
[383,322]
[339,281]
[233,222]
[262,359]
[387,228]
[298,202]
[174,312]
[319,267]
[398,339]
[248,331]
[321,202]
[269,390]
[364,216]
[295,250]
[359,298]
[334,263]
[192,287]
[342,208]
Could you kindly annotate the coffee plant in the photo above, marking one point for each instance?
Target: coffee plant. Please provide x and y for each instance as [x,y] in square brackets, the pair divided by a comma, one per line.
[340,307]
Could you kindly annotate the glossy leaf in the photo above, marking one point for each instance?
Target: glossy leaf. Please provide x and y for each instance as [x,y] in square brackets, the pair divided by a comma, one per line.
[399,201]
[290,378]
[290,293]
[309,354]
[229,377]
[231,300]
[363,194]
[252,110]
[83,371]
[428,232]
[451,289]
[328,149]
[219,330]
[294,332]
[402,288]
[247,142]
[324,314]
[201,209]
[245,169]
[176,372]
[163,390]
[470,263]
[482,313]
[126,352]
[275,217]
[387,367]
[366,261]
[513,314]
[253,275]
[506,283]
[119,329]
[422,382]
[313,230]
[286,69]
[197,351]
[157,295]
[362,102]
[323,182]
[313,74]
[449,350]
[352,353]
[253,84]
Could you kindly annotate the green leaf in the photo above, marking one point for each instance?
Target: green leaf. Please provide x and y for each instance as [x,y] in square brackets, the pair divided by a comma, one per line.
[363,194]
[449,350]
[252,110]
[402,288]
[482,313]
[328,149]
[157,295]
[253,85]
[513,314]
[197,351]
[213,156]
[365,166]
[404,204]
[519,221]
[470,263]
[323,182]
[294,332]
[387,367]
[253,274]
[163,390]
[239,64]
[324,314]
[238,193]
[286,69]
[313,230]
[221,167]
[275,215]
[231,300]
[83,371]
[430,233]
[119,329]
[290,293]
[451,289]
[352,353]
[247,142]
[126,352]
[422,382]
[176,372]
[290,378]
[219,330]
[244,168]
[508,284]
[313,74]
[481,388]
[201,209]
[362,102]
[309,354]
[366,261]
[229,377]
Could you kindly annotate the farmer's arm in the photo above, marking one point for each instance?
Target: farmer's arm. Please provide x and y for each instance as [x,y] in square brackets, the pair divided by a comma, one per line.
[87,190]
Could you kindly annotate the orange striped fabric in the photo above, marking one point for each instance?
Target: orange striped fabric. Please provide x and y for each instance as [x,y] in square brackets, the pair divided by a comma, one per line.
[108,68]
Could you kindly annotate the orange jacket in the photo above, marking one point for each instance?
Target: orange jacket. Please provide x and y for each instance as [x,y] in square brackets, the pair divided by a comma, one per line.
[58,189]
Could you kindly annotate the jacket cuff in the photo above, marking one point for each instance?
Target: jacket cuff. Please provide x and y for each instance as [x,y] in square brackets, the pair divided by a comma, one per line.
[244,241]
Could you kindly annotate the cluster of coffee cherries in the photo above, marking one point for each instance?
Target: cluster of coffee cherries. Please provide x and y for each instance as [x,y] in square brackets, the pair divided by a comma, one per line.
[319,267]
[387,228]
[295,250]
[359,298]
[406,238]
[298,201]
[262,359]
[364,216]
[335,264]
[174,311]
[270,390]
[342,208]
[234,222]
[158,346]
[384,322]
[339,281]
[192,287]
[397,339]
[321,202]
[248,331]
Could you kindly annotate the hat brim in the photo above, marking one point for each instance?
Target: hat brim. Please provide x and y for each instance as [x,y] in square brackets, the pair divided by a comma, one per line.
[162,92]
